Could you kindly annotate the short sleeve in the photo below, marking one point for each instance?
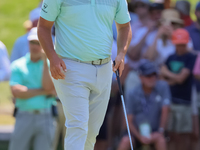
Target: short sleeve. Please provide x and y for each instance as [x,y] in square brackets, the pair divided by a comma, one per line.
[122,15]
[16,77]
[168,61]
[190,62]
[50,9]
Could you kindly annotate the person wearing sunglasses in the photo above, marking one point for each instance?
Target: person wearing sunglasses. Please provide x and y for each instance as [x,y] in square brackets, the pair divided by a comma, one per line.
[162,46]
[147,107]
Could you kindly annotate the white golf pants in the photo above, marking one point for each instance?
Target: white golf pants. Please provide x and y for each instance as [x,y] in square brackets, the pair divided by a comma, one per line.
[84,93]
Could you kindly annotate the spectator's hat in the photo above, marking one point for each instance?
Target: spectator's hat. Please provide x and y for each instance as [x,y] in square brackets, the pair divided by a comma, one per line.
[183,7]
[33,35]
[180,36]
[198,6]
[141,1]
[156,6]
[34,14]
[171,15]
[147,67]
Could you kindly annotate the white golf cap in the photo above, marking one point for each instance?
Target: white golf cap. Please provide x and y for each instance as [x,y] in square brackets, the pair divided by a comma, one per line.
[32,35]
[34,14]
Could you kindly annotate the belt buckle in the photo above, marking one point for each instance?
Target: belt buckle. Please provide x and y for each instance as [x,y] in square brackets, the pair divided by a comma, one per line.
[36,112]
[93,63]
[100,61]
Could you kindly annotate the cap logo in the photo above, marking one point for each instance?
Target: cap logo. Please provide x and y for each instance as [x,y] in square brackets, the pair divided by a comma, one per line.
[44,7]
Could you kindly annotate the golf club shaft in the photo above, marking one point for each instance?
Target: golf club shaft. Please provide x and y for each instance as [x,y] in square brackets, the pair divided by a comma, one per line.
[124,107]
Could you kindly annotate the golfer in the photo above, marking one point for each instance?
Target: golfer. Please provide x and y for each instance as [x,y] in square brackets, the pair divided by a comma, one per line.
[80,62]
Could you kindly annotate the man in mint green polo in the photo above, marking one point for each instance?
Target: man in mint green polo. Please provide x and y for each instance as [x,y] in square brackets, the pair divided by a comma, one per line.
[80,62]
[33,88]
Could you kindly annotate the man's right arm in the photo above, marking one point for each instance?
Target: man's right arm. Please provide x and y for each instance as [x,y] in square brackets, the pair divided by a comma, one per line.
[135,132]
[45,38]
[22,92]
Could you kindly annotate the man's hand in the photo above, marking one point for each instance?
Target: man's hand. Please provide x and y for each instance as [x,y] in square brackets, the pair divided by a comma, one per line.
[144,140]
[119,63]
[57,68]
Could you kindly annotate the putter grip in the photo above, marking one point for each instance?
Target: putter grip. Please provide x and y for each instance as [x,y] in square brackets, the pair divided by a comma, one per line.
[118,80]
[117,72]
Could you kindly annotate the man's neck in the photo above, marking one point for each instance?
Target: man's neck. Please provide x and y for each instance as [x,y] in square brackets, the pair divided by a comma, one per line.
[180,53]
[147,90]
[35,59]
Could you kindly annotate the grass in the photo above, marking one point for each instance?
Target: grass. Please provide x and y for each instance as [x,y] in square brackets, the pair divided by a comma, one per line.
[12,15]
[6,105]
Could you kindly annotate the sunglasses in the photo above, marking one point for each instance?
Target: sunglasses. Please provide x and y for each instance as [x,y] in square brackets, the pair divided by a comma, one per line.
[151,75]
[140,5]
[34,42]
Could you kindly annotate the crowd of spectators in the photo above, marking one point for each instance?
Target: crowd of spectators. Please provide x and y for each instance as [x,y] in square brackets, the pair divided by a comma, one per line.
[161,82]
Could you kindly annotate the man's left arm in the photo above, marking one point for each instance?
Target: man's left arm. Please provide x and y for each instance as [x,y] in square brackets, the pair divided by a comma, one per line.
[124,34]
[175,78]
[123,42]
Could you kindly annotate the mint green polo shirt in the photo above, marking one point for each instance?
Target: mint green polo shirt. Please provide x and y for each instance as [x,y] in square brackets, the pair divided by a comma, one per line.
[28,73]
[84,27]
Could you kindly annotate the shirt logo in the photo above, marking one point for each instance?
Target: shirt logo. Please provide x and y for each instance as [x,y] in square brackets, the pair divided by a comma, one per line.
[44,7]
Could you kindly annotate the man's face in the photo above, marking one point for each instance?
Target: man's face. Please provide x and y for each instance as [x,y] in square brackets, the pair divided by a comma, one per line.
[156,14]
[181,47]
[141,9]
[149,81]
[35,47]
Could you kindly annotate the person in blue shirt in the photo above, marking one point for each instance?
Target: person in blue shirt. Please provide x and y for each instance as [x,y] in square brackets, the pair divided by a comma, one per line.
[80,62]
[4,63]
[194,29]
[21,46]
[177,71]
[32,86]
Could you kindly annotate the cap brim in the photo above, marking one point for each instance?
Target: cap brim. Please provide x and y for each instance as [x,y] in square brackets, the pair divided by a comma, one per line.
[175,20]
[33,37]
[180,42]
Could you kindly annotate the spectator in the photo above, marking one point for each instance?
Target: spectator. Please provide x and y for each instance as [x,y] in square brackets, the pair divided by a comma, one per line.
[141,8]
[184,8]
[194,29]
[162,46]
[133,15]
[33,89]
[4,63]
[144,36]
[141,41]
[147,108]
[27,25]
[21,46]
[177,71]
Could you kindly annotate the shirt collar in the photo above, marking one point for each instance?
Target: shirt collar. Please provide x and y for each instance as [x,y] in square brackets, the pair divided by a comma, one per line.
[141,92]
[28,58]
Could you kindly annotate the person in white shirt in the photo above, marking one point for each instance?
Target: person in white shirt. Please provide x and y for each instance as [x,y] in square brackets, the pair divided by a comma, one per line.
[162,46]
[4,63]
